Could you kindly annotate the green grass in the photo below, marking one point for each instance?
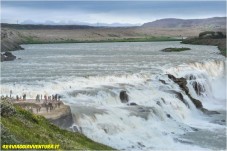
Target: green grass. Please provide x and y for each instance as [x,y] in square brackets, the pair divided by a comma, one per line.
[24,127]
[34,40]
[175,49]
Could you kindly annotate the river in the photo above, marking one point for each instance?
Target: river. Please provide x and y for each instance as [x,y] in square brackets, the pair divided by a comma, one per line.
[90,76]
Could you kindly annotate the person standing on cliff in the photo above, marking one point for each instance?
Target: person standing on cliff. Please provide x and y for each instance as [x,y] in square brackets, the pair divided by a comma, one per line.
[24,97]
[10,93]
[17,98]
[56,97]
[45,97]
[36,98]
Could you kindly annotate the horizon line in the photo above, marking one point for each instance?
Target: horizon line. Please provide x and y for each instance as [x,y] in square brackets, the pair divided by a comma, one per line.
[106,24]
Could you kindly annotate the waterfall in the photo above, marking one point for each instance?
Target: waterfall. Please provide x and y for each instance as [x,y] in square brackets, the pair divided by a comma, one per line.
[206,81]
[163,110]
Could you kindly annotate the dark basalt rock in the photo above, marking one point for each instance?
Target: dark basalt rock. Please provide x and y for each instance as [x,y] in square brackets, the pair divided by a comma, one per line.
[124,97]
[132,104]
[77,129]
[196,85]
[194,129]
[163,100]
[64,122]
[168,115]
[179,96]
[190,77]
[3,58]
[205,111]
[170,76]
[162,81]
[159,103]
[140,144]
[7,56]
[196,102]
[182,82]
[198,88]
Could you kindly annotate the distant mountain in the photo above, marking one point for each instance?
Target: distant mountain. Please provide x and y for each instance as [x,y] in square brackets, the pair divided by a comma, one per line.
[37,26]
[49,22]
[216,22]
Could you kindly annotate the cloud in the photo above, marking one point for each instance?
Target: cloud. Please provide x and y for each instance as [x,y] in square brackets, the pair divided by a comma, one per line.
[41,15]
[108,12]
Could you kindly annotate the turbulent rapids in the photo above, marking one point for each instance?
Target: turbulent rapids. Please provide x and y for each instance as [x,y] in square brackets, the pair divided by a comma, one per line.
[163,114]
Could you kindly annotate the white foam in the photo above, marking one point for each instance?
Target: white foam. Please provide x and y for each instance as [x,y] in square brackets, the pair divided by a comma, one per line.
[120,127]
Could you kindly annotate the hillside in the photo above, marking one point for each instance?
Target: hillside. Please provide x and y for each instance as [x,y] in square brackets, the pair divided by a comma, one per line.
[19,126]
[30,26]
[10,40]
[216,22]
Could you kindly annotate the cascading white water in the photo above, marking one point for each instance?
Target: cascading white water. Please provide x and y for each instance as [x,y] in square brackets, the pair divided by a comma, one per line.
[161,116]
[91,76]
[206,81]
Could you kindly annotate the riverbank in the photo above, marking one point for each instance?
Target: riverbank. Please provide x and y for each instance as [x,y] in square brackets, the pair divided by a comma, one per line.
[209,38]
[13,35]
[19,126]
[12,38]
[220,43]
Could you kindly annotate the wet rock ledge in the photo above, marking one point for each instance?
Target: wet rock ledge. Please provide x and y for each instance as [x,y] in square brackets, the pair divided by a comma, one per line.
[182,83]
[60,116]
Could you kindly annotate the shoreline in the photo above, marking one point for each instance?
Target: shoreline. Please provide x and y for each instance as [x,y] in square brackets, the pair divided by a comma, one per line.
[153,39]
[220,43]
[15,35]
[142,39]
[108,41]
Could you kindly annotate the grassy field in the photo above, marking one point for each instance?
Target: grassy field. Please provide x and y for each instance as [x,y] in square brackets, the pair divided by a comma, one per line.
[19,126]
[33,40]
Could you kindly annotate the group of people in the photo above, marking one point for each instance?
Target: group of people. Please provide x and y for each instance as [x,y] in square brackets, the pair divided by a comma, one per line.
[38,97]
[49,102]
[53,97]
[18,98]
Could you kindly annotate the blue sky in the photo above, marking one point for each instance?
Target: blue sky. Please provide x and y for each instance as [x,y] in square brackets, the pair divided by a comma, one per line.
[132,12]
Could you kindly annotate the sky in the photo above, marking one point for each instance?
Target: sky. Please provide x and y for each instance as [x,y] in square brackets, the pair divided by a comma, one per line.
[109,12]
